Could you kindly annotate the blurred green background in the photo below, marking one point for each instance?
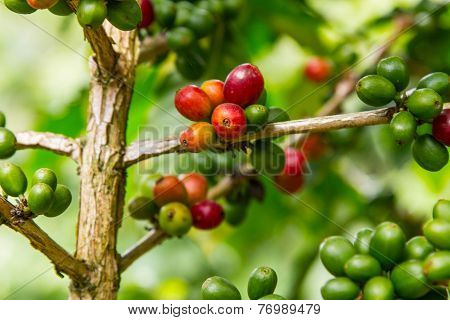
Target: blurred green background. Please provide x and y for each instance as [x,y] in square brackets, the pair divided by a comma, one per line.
[364,178]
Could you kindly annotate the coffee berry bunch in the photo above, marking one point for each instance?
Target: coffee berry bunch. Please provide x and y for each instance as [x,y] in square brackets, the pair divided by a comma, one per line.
[421,119]
[261,286]
[175,204]
[381,265]
[226,111]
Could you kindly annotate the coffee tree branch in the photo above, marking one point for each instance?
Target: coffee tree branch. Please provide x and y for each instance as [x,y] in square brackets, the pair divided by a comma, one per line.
[152,47]
[56,143]
[63,261]
[142,150]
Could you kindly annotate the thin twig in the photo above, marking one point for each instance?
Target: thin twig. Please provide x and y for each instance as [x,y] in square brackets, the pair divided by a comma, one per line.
[152,47]
[56,143]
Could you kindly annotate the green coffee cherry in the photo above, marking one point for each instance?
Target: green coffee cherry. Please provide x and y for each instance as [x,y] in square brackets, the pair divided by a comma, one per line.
[437,232]
[437,266]
[429,153]
[180,38]
[257,116]
[395,70]
[45,175]
[403,127]
[267,158]
[262,282]
[184,11]
[235,213]
[40,198]
[147,185]
[424,128]
[216,7]
[91,13]
[340,289]
[362,240]
[378,288]
[426,104]
[12,179]
[409,281]
[175,219]
[334,252]
[375,90]
[201,22]
[277,115]
[438,81]
[7,143]
[142,208]
[272,297]
[387,244]
[217,288]
[418,248]
[125,15]
[362,267]
[61,8]
[191,64]
[62,198]
[2,119]
[165,12]
[19,6]
[441,210]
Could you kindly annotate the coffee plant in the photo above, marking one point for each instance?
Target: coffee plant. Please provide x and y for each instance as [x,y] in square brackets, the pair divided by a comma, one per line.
[237,131]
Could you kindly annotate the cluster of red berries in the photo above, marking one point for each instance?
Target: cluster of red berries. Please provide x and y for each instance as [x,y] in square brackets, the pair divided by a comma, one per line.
[219,107]
[176,203]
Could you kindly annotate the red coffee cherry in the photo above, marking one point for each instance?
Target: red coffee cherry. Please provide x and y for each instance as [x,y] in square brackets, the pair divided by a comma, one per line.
[42,4]
[289,183]
[198,137]
[196,186]
[291,178]
[244,85]
[207,215]
[193,103]
[148,13]
[295,161]
[214,90]
[318,69]
[169,189]
[441,127]
[229,121]
[314,147]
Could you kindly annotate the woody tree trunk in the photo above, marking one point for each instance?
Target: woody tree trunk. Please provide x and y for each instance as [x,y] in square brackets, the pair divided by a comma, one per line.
[101,169]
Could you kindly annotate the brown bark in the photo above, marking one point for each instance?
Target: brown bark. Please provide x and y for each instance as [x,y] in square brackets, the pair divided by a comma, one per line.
[101,171]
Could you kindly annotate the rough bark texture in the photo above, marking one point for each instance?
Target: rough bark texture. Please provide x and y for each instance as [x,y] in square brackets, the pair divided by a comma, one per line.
[102,172]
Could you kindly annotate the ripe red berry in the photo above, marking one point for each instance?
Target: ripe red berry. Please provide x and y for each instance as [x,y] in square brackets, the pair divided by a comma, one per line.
[169,189]
[229,121]
[289,183]
[42,4]
[207,215]
[193,103]
[295,161]
[318,69]
[214,90]
[198,137]
[441,127]
[291,178]
[196,186]
[148,13]
[314,147]
[244,85]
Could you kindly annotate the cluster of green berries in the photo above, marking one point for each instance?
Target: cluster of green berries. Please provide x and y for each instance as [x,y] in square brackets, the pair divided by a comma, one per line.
[45,197]
[123,14]
[382,265]
[7,139]
[261,286]
[421,118]
[189,22]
